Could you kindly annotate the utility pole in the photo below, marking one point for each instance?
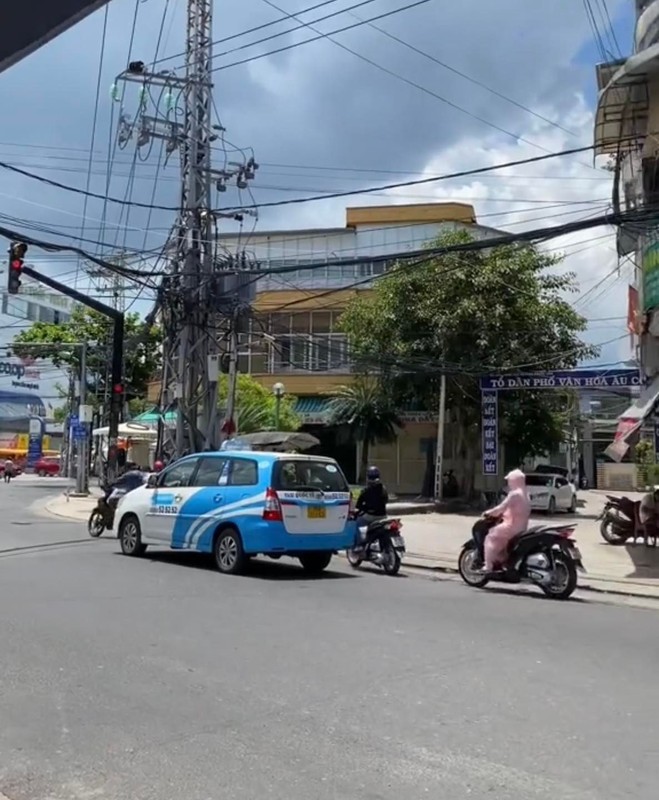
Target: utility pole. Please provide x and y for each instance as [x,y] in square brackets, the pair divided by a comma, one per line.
[190,297]
[441,424]
[82,464]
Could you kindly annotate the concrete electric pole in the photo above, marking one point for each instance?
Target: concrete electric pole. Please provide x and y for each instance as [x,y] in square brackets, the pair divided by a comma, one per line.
[190,297]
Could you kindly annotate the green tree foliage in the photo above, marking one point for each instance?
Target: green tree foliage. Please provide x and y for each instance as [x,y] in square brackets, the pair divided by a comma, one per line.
[471,313]
[142,354]
[645,466]
[256,406]
[367,414]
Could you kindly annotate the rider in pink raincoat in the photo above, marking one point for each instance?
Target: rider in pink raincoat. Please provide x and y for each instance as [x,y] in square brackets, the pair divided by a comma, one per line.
[515,511]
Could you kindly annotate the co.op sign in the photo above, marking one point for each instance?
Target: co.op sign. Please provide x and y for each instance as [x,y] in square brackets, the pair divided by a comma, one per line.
[12,370]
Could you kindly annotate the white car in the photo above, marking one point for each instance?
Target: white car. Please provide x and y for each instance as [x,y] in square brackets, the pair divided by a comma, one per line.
[551,493]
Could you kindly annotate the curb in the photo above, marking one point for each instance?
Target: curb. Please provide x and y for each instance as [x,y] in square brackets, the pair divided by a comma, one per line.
[449,567]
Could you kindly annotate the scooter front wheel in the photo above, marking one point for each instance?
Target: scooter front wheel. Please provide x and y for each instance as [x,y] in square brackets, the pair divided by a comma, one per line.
[469,574]
[96,524]
[355,559]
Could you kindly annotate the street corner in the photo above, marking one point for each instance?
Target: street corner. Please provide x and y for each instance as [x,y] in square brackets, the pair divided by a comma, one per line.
[64,506]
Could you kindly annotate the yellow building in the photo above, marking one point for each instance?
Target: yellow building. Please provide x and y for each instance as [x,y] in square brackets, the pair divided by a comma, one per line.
[294,337]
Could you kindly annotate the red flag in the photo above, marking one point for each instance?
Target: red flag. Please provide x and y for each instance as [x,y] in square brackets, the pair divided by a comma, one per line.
[633,318]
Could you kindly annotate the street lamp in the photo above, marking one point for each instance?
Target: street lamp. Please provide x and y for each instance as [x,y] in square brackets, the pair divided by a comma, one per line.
[278,390]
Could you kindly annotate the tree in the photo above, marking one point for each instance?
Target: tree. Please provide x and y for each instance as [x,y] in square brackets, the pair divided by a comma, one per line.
[256,406]
[142,351]
[366,411]
[467,314]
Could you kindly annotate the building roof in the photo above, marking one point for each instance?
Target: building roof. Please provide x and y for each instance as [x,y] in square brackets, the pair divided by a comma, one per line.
[401,214]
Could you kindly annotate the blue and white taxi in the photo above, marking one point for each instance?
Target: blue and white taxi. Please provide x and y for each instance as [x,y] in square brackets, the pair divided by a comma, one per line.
[237,504]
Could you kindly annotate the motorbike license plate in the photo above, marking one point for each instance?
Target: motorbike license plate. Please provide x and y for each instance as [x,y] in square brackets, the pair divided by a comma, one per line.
[398,541]
[316,512]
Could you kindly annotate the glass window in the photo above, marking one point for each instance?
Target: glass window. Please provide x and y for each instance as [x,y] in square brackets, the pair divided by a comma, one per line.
[300,322]
[209,472]
[46,314]
[33,311]
[244,472]
[539,480]
[321,322]
[310,475]
[280,323]
[178,474]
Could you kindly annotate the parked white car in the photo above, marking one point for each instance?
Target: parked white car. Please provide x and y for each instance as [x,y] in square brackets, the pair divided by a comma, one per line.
[551,493]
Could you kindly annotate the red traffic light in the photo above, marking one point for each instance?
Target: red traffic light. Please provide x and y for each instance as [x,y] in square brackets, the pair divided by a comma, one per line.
[17,264]
[118,388]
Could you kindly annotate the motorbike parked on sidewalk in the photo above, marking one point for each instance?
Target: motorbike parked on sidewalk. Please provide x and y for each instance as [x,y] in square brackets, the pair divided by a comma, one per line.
[545,555]
[619,519]
[380,543]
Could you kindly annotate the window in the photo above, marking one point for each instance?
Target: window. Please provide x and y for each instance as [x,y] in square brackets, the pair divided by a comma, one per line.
[178,474]
[303,474]
[539,480]
[560,483]
[244,472]
[210,471]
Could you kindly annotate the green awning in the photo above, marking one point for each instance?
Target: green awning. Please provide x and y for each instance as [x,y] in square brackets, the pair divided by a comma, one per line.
[152,417]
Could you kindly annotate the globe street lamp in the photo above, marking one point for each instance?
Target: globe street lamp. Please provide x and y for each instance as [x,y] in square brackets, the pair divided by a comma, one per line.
[278,391]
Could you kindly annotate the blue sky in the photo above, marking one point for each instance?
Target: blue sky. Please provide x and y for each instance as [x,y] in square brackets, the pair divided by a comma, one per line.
[320,119]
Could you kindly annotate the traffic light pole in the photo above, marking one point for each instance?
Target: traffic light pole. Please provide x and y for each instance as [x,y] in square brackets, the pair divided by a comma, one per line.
[116,396]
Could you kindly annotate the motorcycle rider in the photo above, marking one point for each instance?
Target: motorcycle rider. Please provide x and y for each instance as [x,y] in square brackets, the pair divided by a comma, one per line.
[514,511]
[371,506]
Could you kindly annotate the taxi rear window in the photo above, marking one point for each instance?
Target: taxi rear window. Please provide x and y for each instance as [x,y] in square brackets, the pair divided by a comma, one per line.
[298,475]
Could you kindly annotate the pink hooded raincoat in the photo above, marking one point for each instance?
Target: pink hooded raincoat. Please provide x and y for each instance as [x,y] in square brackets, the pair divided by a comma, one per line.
[515,511]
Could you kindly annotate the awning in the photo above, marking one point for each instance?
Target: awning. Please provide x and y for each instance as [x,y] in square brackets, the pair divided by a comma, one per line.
[629,423]
[621,118]
[313,410]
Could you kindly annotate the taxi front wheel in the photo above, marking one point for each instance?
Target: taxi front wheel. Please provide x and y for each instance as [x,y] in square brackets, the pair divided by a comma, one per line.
[228,552]
[130,537]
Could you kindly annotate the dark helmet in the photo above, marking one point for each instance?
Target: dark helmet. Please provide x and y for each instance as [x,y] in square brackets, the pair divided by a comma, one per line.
[373,474]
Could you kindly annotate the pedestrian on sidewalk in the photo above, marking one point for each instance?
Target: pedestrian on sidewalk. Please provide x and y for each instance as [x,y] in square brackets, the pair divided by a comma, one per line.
[515,512]
[9,470]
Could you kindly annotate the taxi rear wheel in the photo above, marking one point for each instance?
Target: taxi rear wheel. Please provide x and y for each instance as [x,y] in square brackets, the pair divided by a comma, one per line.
[315,563]
[228,552]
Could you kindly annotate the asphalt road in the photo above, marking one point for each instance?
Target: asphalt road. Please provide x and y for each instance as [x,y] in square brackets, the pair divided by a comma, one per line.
[159,678]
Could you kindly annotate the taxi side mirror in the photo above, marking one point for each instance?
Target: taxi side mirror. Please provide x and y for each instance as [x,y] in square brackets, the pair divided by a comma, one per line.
[152,481]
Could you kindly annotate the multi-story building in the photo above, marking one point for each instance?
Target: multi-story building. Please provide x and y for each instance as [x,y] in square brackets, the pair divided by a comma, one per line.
[627,130]
[27,386]
[294,336]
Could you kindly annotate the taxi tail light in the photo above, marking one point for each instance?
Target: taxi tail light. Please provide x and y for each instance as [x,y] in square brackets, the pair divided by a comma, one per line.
[272,510]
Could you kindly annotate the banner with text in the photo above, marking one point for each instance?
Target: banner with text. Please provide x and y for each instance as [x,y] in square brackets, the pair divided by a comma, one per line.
[490,432]
[563,379]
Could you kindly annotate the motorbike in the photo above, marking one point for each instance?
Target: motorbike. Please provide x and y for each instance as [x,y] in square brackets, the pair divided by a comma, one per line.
[389,558]
[618,520]
[102,517]
[544,555]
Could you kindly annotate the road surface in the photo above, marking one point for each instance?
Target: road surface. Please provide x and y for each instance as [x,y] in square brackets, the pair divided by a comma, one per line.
[159,678]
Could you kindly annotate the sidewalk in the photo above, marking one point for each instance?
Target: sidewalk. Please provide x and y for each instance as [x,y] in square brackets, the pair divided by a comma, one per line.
[434,541]
[77,509]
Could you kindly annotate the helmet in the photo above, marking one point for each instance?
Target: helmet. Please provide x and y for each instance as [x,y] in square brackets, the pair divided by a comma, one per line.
[373,474]
[158,466]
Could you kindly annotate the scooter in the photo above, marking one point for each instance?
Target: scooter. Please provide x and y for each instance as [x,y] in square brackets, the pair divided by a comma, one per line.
[618,520]
[379,543]
[102,517]
[545,555]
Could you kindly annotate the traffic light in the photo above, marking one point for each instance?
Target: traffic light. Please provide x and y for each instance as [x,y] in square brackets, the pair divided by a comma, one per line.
[17,252]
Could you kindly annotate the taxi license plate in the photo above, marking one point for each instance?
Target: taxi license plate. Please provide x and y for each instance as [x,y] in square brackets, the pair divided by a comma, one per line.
[316,512]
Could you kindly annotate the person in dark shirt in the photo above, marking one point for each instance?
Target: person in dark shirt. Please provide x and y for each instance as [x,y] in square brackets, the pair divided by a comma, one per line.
[371,504]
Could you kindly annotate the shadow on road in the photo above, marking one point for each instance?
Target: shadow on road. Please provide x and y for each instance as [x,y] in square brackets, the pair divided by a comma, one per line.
[260,568]
[527,594]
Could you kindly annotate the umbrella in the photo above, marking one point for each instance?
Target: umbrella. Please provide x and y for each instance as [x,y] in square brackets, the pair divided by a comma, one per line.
[279,440]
